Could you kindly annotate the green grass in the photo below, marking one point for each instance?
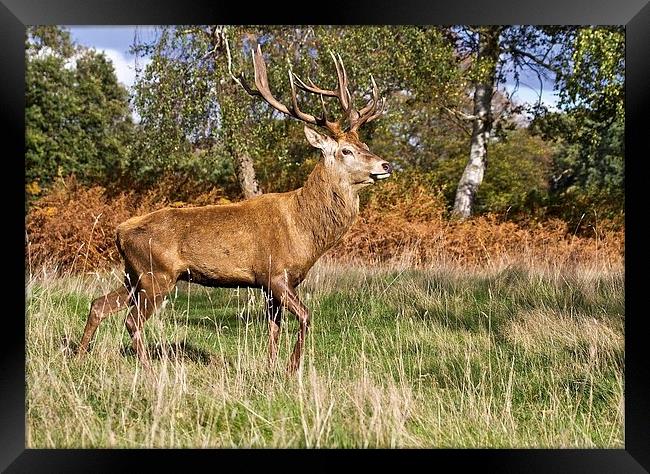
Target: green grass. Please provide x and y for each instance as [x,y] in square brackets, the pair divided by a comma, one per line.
[396,357]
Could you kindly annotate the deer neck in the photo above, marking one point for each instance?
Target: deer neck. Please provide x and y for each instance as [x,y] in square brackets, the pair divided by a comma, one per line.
[326,208]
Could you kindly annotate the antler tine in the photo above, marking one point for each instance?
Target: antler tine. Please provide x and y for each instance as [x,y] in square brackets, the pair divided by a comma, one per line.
[373,109]
[322,102]
[344,82]
[375,97]
[352,113]
[342,91]
[316,90]
[296,110]
[262,81]
[313,87]
[378,113]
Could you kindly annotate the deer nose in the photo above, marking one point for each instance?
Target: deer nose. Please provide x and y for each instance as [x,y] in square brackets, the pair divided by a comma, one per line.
[387,167]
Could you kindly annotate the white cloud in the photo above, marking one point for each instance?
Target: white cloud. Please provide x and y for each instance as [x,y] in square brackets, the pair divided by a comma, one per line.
[125,66]
[125,70]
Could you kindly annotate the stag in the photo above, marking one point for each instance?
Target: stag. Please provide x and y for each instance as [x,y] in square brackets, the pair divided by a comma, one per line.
[269,241]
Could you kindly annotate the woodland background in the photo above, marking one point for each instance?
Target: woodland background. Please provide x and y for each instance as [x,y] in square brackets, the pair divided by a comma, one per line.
[553,187]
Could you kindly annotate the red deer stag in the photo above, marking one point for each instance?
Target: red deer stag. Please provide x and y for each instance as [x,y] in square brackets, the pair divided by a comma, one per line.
[269,242]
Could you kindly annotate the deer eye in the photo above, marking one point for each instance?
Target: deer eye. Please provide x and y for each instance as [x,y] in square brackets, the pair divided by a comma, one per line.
[346,151]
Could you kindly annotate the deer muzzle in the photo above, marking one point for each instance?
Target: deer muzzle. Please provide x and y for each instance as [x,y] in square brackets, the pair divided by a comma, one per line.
[387,170]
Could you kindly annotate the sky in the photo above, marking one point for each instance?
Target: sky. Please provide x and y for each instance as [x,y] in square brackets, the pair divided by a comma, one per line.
[116,40]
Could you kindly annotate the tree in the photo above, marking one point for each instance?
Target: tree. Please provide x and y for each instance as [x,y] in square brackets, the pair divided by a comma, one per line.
[188,104]
[77,114]
[487,57]
[589,130]
[490,54]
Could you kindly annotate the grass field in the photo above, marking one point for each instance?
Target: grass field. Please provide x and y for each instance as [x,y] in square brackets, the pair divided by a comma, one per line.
[397,357]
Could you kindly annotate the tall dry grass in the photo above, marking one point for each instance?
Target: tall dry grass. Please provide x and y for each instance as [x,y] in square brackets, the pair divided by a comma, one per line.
[397,357]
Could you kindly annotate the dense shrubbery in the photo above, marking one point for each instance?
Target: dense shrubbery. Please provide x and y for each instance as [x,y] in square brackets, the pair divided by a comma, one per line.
[77,114]
[88,166]
[517,177]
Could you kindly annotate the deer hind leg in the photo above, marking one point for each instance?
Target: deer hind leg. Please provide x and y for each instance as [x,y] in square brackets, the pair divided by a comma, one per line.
[289,299]
[99,309]
[274,317]
[150,292]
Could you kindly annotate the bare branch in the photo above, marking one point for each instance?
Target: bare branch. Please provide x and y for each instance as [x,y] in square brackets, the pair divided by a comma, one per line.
[459,114]
[535,59]
[232,74]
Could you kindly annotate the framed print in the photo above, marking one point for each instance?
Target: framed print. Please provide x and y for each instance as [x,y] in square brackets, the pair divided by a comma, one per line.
[385,231]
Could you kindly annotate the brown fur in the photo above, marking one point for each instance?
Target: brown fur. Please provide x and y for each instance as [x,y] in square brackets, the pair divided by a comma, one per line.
[268,242]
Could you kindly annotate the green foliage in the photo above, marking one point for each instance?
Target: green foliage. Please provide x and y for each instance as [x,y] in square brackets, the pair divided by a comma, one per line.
[167,108]
[516,178]
[77,115]
[594,76]
[589,167]
[53,38]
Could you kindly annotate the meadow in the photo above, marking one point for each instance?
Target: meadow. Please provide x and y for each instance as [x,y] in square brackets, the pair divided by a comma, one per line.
[512,355]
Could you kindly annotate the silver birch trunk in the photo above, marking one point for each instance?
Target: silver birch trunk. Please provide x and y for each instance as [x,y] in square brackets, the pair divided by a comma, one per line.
[488,55]
[246,175]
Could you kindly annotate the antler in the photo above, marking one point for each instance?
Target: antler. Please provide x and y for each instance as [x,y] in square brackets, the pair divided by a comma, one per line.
[355,117]
[373,109]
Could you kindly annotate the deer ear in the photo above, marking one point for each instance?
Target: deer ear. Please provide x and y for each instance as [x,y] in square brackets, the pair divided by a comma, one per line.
[325,143]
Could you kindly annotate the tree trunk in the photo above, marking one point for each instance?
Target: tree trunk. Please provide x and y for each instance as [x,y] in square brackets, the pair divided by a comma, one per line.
[233,125]
[488,55]
[233,129]
[246,174]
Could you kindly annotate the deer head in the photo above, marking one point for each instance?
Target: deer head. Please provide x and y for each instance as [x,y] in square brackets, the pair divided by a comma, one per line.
[344,153]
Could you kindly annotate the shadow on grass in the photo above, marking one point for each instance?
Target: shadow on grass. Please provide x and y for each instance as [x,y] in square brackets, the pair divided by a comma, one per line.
[68,346]
[228,319]
[158,351]
[174,350]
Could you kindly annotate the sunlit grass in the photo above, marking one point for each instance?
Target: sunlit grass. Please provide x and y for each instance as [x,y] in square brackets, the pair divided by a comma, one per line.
[397,357]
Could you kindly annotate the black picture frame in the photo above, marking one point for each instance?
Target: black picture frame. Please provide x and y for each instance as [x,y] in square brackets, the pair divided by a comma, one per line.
[16,14]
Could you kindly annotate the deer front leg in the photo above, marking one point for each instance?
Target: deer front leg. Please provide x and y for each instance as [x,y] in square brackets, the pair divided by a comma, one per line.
[289,300]
[99,309]
[135,320]
[274,317]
